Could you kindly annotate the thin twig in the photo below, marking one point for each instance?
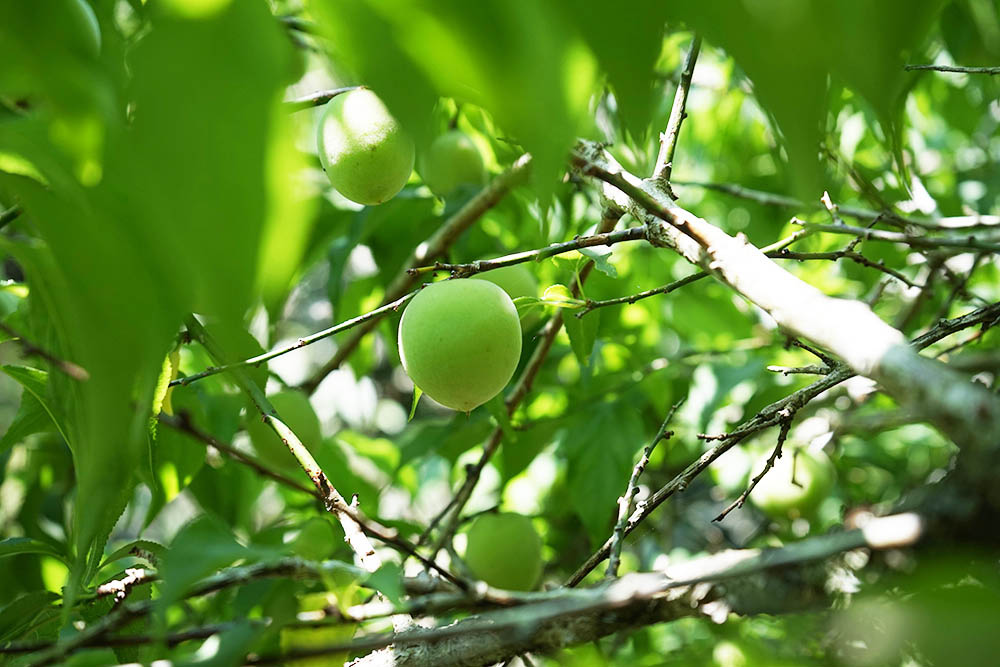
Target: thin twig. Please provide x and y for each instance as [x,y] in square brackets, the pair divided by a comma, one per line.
[472,268]
[182,422]
[771,199]
[300,343]
[775,455]
[668,140]
[319,98]
[30,349]
[957,69]
[10,215]
[969,241]
[625,501]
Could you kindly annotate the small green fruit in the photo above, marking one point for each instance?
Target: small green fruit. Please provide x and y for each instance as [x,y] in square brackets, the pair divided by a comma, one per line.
[518,282]
[366,154]
[86,30]
[505,551]
[460,341]
[452,160]
[799,481]
[295,410]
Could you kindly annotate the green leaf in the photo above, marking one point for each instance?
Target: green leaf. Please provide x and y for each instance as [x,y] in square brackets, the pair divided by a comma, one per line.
[582,332]
[600,447]
[21,613]
[14,546]
[388,580]
[137,549]
[200,548]
[34,382]
[31,418]
[601,260]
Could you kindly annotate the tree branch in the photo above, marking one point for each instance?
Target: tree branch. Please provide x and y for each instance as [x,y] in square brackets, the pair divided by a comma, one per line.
[668,140]
[770,199]
[992,71]
[564,617]
[482,265]
[966,412]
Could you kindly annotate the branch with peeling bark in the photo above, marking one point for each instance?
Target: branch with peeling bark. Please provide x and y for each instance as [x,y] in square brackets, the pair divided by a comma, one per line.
[738,580]
[967,413]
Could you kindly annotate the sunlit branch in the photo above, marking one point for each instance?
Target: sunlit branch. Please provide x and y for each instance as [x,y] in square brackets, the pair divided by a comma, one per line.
[968,242]
[668,140]
[773,415]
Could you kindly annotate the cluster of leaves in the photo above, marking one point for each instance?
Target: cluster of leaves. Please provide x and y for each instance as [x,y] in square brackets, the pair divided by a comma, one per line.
[160,175]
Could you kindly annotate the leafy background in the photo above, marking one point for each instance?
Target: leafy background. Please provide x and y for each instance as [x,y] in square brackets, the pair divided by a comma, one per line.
[160,175]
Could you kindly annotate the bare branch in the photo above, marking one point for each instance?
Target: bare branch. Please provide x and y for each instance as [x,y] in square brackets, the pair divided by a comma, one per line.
[480,266]
[770,199]
[30,349]
[775,455]
[625,501]
[300,343]
[668,140]
[957,69]
[9,216]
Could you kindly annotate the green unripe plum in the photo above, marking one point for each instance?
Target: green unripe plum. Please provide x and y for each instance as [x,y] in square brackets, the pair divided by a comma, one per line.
[780,495]
[505,551]
[366,154]
[295,410]
[87,29]
[460,341]
[452,160]
[517,281]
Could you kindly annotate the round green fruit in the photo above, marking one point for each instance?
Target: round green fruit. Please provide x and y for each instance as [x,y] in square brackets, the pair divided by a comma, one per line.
[799,481]
[452,160]
[295,410]
[460,341]
[366,154]
[505,551]
[517,281]
[87,29]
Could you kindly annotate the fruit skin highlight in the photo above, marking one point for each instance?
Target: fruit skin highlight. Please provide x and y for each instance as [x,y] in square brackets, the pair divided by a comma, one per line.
[460,341]
[452,160]
[505,551]
[778,496]
[366,154]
